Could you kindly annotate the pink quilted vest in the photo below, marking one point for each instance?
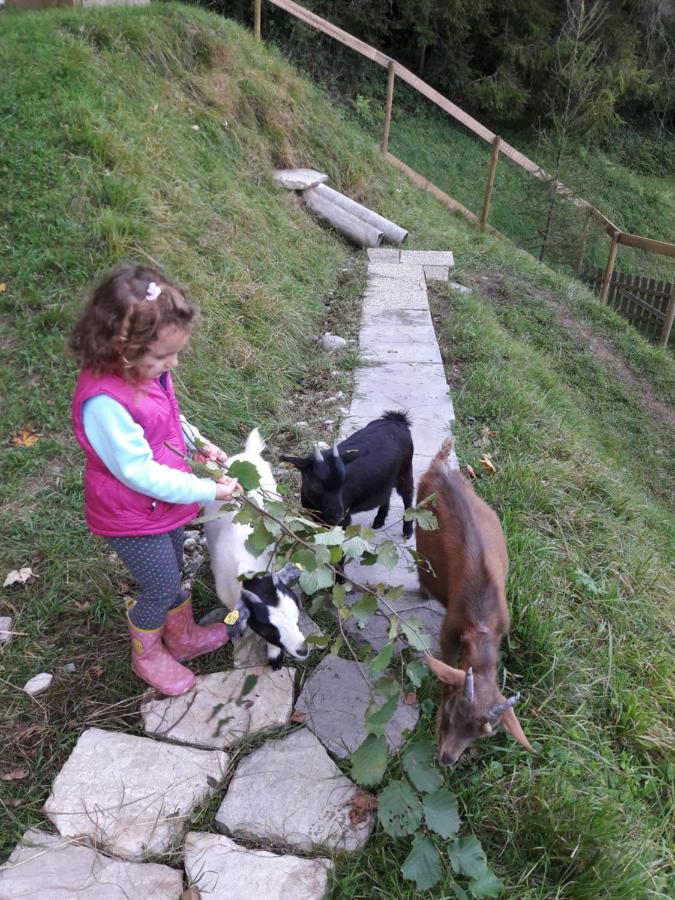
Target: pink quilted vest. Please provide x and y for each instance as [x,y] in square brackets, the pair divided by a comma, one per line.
[111,508]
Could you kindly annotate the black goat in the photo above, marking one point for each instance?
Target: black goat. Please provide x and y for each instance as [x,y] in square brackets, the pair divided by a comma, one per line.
[360,473]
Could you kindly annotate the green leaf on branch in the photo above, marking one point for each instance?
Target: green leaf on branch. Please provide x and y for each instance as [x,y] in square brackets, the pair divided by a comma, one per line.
[335,555]
[354,547]
[318,640]
[334,536]
[485,885]
[393,628]
[368,559]
[343,612]
[364,610]
[426,520]
[412,628]
[318,580]
[467,857]
[338,595]
[204,471]
[399,809]
[418,765]
[383,658]
[416,671]
[441,814]
[394,593]
[245,473]
[275,508]
[423,864]
[369,761]
[387,555]
[248,514]
[337,646]
[377,722]
[387,687]
[258,539]
[306,558]
[318,603]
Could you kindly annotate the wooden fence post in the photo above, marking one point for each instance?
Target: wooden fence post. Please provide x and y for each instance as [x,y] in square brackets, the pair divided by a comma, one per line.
[256,18]
[390,99]
[604,293]
[579,265]
[668,321]
[490,183]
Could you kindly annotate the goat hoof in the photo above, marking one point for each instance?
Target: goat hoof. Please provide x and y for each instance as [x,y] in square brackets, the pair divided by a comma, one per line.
[407,529]
[275,663]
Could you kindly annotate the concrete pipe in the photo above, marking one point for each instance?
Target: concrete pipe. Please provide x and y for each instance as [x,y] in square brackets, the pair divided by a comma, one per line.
[359,232]
[392,232]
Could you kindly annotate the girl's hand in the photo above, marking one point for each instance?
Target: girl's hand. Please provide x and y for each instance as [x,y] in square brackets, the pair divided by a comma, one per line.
[208,452]
[227,488]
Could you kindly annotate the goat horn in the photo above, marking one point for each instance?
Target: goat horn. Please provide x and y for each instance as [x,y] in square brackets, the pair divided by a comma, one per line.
[290,573]
[468,685]
[317,454]
[500,708]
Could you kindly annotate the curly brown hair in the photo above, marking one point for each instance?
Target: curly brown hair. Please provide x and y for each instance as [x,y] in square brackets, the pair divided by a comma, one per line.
[119,322]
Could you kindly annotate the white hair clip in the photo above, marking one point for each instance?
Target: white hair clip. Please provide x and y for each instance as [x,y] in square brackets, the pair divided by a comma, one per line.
[153,291]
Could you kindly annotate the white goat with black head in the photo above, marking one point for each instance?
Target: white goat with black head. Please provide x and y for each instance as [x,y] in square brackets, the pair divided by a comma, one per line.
[271,605]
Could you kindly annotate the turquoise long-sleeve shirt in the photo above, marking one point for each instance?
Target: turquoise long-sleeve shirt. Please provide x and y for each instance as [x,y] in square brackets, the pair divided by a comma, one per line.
[122,447]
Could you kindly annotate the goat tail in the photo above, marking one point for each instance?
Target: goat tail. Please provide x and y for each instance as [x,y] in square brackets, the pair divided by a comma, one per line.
[444,452]
[254,444]
[398,415]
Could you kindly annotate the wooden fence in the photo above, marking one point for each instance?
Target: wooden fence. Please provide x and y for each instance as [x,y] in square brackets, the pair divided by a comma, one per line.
[643,301]
[497,145]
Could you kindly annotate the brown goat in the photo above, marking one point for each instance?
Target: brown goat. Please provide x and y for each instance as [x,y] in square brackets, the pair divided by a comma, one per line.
[468,567]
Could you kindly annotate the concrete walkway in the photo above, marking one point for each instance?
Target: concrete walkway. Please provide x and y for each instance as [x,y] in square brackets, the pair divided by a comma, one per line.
[402,369]
[131,797]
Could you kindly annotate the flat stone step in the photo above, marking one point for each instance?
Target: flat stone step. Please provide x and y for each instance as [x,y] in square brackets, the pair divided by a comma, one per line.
[378,254]
[46,867]
[223,870]
[428,613]
[217,713]
[129,795]
[335,698]
[290,793]
[427,258]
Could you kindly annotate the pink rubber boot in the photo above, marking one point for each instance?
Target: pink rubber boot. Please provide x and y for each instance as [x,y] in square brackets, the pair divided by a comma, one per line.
[184,639]
[154,665]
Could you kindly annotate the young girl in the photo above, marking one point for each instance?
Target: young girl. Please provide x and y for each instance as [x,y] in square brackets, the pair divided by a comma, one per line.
[139,494]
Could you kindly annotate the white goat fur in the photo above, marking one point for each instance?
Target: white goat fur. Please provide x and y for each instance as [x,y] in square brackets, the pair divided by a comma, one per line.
[226,539]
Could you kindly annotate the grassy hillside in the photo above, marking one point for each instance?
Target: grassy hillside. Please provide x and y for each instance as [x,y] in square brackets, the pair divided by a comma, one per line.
[152,134]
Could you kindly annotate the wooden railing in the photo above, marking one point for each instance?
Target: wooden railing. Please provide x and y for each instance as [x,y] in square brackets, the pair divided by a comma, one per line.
[499,146]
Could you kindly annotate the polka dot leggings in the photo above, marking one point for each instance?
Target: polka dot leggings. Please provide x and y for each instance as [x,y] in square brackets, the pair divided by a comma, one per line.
[155,561]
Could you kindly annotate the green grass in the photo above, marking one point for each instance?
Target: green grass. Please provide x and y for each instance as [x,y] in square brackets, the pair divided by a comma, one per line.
[99,161]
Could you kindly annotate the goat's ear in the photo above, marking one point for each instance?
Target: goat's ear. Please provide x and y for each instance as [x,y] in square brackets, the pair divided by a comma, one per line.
[250,596]
[300,462]
[512,725]
[444,672]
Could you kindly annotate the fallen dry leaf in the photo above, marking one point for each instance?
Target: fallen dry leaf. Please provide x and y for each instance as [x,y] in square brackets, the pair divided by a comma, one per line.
[25,438]
[485,462]
[191,893]
[470,471]
[3,287]
[360,805]
[410,699]
[96,670]
[15,775]
[19,576]
[298,717]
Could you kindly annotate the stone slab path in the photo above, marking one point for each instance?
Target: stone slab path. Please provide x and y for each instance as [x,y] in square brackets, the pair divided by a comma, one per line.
[131,797]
